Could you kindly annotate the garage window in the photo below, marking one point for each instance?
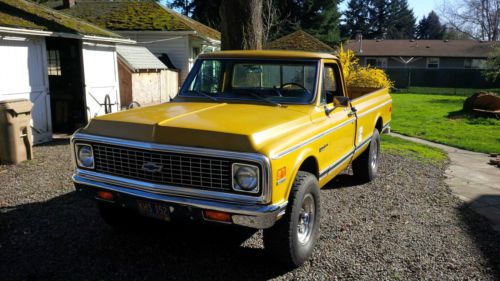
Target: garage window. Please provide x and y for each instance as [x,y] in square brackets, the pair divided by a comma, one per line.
[54,63]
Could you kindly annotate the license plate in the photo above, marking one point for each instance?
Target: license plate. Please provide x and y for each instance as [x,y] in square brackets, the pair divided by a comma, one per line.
[154,210]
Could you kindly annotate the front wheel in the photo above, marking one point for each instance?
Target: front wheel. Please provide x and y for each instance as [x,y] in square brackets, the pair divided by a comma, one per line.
[365,167]
[291,240]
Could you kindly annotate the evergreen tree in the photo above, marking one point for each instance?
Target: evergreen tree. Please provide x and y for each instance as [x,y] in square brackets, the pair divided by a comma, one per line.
[430,27]
[401,23]
[356,19]
[379,16]
[379,19]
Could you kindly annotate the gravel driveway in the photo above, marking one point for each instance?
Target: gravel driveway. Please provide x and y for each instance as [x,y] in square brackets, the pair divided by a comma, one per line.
[404,226]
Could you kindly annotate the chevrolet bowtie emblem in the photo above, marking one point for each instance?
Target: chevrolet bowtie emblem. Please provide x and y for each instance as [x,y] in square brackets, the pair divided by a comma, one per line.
[151,167]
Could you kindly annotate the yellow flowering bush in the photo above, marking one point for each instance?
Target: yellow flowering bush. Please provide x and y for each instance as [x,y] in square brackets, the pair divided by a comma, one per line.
[356,75]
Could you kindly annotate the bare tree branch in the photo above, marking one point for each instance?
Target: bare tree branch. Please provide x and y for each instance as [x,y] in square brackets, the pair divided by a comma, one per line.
[480,19]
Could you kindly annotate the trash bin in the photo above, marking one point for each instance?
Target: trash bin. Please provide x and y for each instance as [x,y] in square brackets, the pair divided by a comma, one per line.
[15,131]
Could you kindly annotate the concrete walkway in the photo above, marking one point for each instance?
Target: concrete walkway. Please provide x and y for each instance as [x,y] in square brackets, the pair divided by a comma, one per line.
[472,179]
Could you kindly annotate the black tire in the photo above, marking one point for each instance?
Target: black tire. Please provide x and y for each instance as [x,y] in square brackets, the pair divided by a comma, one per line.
[366,165]
[118,217]
[284,240]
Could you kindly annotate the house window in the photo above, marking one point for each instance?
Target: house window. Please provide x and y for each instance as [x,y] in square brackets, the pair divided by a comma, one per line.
[54,63]
[432,62]
[196,52]
[475,63]
[377,62]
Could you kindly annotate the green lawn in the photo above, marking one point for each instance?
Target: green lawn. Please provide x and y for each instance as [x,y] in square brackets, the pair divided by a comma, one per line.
[427,116]
[419,152]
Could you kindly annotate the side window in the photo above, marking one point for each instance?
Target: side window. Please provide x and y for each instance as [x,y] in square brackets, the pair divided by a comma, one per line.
[331,83]
[208,79]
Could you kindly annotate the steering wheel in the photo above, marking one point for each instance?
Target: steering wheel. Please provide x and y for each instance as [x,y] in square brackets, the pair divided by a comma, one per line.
[297,85]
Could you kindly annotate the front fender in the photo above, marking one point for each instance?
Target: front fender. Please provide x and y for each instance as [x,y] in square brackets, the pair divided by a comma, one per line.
[299,158]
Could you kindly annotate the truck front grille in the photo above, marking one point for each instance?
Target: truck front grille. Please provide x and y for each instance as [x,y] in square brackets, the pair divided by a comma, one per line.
[163,167]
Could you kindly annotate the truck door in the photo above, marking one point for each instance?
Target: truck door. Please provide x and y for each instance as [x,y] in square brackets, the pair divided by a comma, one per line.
[341,123]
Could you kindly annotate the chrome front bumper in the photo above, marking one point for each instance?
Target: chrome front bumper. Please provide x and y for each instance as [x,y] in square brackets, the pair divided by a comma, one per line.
[249,215]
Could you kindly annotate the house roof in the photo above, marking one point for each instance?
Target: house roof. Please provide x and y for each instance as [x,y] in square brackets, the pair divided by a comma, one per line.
[22,14]
[299,40]
[129,15]
[423,48]
[138,58]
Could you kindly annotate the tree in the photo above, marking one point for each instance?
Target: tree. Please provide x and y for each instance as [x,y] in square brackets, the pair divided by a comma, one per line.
[318,17]
[401,23]
[430,27]
[480,19]
[356,18]
[492,72]
[379,19]
[241,24]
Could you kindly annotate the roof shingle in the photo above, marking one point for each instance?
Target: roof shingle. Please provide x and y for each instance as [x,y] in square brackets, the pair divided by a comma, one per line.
[423,48]
[299,41]
[28,15]
[128,15]
[139,58]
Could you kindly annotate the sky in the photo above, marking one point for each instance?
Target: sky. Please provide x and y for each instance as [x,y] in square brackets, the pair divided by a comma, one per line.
[420,7]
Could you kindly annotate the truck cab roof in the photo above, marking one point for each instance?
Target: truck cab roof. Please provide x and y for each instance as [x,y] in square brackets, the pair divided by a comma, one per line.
[266,54]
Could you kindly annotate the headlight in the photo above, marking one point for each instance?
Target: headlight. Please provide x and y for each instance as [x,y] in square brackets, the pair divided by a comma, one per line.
[84,156]
[245,178]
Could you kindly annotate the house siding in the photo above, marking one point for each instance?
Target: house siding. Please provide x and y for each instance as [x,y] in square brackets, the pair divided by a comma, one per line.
[177,47]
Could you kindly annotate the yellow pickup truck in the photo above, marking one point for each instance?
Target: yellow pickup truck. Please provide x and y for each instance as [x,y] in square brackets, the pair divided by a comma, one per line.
[250,140]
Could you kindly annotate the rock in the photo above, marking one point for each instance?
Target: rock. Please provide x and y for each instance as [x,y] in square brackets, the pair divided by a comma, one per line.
[482,100]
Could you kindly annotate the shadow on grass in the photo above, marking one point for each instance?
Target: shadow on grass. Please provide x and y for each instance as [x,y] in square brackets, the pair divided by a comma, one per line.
[479,228]
[64,238]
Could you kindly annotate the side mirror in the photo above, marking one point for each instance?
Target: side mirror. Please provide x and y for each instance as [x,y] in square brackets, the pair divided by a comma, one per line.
[338,101]
[341,101]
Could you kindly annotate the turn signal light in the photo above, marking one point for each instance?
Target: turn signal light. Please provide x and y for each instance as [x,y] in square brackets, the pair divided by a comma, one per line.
[105,195]
[281,173]
[217,216]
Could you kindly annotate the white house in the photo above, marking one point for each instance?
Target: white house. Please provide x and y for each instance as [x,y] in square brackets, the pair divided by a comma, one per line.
[154,26]
[66,67]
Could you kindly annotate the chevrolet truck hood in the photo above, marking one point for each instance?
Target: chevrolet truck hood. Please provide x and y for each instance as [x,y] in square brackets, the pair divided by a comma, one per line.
[235,127]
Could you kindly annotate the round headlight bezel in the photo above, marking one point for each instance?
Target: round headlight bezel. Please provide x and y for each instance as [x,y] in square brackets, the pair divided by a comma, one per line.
[239,171]
[88,161]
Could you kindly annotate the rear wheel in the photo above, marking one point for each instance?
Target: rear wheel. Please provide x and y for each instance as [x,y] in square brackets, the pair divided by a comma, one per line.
[365,167]
[291,240]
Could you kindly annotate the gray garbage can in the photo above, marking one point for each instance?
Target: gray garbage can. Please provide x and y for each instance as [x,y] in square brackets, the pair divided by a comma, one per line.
[15,131]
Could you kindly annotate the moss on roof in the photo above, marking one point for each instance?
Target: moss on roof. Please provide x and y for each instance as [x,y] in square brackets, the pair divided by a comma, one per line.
[130,15]
[28,15]
[300,41]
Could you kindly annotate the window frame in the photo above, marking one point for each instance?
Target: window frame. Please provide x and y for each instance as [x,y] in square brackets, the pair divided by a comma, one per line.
[226,76]
[383,61]
[428,62]
[338,82]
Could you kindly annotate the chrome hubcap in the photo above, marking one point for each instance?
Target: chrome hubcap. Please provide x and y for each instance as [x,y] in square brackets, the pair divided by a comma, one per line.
[374,154]
[306,219]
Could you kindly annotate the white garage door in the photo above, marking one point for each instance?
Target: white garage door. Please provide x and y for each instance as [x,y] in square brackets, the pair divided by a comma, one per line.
[101,79]
[23,75]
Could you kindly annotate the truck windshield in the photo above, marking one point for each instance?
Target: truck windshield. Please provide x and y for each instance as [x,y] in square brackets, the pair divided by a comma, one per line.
[270,81]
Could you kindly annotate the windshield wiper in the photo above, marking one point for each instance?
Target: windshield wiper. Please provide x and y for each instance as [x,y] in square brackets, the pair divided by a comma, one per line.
[205,94]
[258,96]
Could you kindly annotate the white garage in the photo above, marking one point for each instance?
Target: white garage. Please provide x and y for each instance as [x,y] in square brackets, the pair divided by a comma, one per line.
[68,70]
